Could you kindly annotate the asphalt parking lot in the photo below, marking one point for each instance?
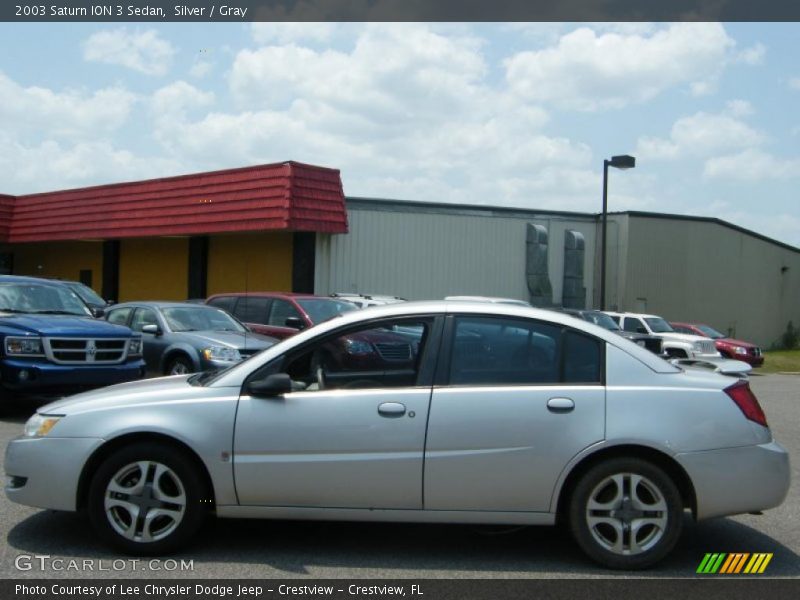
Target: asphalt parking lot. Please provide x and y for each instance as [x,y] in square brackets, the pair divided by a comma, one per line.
[262,549]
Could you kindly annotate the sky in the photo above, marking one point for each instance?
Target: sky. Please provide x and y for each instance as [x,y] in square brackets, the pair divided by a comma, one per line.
[517,114]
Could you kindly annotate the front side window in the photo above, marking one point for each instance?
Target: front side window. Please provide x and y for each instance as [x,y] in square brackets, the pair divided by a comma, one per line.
[387,355]
[142,317]
[635,325]
[323,309]
[500,352]
[280,311]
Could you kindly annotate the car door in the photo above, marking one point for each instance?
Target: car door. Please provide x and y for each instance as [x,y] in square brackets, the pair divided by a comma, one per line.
[518,399]
[153,345]
[352,435]
[253,311]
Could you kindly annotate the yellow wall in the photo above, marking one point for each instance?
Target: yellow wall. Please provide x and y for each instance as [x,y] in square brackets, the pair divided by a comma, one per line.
[256,262]
[64,260]
[153,269]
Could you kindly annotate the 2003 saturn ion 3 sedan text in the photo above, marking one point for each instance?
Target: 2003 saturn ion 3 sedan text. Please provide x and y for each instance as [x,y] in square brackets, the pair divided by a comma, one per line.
[476,413]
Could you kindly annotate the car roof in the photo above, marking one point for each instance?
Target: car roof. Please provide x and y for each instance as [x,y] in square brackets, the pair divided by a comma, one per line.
[160,304]
[289,295]
[27,279]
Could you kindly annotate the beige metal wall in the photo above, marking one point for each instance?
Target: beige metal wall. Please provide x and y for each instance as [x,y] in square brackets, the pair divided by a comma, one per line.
[425,254]
[705,272]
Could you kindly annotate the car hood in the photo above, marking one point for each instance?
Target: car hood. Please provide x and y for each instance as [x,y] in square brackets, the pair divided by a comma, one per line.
[682,337]
[231,339]
[143,392]
[55,325]
[630,335]
[735,342]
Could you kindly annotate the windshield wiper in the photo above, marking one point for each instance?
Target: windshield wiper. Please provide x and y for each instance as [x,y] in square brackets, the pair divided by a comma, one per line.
[57,312]
[14,310]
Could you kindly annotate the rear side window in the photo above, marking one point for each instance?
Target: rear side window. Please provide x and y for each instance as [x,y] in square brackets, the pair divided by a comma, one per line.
[119,316]
[634,325]
[492,351]
[224,302]
[252,309]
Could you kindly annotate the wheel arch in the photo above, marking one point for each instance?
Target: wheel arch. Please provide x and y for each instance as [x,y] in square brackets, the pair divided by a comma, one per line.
[669,465]
[179,350]
[110,446]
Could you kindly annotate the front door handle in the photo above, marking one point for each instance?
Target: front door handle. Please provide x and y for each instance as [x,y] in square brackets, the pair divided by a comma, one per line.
[391,409]
[560,405]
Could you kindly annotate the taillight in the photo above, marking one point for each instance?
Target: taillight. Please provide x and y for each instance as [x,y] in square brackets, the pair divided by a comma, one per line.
[747,402]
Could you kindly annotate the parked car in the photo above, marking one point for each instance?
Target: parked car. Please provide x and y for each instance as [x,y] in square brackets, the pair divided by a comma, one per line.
[93,301]
[283,315]
[51,345]
[651,342]
[280,314]
[601,435]
[728,347]
[674,344]
[181,337]
[367,300]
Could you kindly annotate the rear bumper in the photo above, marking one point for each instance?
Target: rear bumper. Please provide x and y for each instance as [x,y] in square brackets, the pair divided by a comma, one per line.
[733,481]
[37,377]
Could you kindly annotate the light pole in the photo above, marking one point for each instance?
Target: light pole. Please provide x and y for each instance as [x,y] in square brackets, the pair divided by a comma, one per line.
[618,162]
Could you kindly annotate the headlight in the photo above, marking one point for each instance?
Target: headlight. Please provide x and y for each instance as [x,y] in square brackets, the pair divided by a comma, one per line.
[222,353]
[357,347]
[27,346]
[40,425]
[740,350]
[135,347]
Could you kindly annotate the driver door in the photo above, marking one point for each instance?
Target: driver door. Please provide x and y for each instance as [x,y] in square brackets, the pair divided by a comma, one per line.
[354,435]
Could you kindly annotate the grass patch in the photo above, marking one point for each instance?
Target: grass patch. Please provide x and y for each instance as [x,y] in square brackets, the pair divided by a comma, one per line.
[778,361]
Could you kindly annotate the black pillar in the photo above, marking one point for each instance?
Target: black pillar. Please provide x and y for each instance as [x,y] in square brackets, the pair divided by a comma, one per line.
[110,279]
[304,254]
[198,266]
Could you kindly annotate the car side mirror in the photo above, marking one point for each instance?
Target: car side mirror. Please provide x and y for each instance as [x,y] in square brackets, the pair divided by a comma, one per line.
[274,385]
[152,329]
[295,323]
[98,312]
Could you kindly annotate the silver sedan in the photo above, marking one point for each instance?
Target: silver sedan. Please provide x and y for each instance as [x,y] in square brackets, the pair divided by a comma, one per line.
[452,412]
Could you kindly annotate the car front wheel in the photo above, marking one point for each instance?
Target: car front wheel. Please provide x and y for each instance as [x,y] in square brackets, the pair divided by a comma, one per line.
[626,513]
[147,499]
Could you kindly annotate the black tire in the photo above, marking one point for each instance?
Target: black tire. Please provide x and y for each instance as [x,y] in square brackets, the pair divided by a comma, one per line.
[652,540]
[179,365]
[167,533]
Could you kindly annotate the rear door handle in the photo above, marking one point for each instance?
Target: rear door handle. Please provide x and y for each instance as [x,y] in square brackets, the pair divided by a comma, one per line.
[391,409]
[560,405]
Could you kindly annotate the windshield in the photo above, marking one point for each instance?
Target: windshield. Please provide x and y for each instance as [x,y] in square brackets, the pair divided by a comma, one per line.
[200,318]
[601,319]
[711,332]
[659,325]
[87,294]
[38,298]
[322,309]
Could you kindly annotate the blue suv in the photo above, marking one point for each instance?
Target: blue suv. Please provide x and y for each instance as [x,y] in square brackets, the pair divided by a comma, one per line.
[50,344]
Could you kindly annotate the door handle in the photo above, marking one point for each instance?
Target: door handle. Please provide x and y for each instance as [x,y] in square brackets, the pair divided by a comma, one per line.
[391,409]
[560,405]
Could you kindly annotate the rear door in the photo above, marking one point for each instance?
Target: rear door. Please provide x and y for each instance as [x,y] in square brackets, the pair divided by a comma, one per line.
[518,399]
[253,311]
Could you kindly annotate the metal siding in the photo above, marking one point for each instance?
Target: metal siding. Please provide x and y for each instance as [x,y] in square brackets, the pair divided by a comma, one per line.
[704,272]
[424,255]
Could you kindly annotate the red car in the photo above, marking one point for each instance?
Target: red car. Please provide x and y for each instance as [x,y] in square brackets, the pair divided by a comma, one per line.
[281,315]
[728,347]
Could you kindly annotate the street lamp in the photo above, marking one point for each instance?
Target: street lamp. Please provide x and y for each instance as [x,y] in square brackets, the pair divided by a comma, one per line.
[618,162]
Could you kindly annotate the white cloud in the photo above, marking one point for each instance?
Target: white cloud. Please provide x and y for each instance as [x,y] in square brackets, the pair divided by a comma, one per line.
[62,113]
[754,55]
[201,68]
[704,134]
[179,97]
[587,71]
[752,165]
[286,32]
[142,51]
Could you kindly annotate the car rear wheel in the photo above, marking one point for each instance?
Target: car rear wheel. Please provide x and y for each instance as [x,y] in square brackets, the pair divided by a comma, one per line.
[626,513]
[147,499]
[180,365]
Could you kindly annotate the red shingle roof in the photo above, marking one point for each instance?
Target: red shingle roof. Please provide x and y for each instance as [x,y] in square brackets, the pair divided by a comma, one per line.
[286,196]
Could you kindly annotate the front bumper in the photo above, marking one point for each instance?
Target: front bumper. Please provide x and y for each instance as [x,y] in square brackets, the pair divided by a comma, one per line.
[733,481]
[37,377]
[44,472]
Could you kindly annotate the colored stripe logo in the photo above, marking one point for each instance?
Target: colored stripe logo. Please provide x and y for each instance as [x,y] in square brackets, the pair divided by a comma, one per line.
[734,563]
